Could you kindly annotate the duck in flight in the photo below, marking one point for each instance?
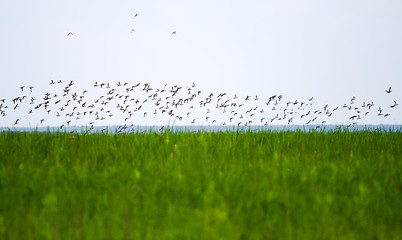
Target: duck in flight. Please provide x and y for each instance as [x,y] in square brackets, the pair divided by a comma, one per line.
[70,34]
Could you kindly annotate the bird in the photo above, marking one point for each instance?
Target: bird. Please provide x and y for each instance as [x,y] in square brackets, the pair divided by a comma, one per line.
[389,90]
[174,32]
[70,34]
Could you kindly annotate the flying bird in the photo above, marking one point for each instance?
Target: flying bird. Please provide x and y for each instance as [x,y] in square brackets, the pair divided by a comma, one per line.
[389,90]
[394,105]
[70,34]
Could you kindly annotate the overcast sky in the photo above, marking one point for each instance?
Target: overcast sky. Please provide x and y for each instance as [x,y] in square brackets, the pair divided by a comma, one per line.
[332,50]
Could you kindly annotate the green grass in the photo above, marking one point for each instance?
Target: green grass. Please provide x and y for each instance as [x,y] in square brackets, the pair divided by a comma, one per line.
[267,185]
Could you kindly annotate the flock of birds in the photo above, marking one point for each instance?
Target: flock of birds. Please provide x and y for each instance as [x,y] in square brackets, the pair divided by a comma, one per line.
[126,104]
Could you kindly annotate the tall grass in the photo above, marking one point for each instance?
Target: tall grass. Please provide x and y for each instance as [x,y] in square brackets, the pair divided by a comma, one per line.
[203,185]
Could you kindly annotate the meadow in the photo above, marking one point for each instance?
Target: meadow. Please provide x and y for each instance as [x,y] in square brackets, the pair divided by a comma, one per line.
[203,185]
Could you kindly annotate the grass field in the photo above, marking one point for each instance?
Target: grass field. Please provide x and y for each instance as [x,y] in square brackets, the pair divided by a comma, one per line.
[224,185]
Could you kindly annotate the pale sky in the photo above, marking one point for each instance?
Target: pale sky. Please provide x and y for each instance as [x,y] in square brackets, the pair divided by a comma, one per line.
[329,50]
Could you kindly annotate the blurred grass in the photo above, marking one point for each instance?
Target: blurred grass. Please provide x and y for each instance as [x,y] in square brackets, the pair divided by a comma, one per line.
[205,185]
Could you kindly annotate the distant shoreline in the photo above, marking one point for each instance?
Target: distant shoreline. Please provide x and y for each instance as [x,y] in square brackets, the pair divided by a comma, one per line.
[208,128]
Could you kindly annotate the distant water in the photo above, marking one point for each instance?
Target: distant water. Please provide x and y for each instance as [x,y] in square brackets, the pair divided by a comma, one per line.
[256,128]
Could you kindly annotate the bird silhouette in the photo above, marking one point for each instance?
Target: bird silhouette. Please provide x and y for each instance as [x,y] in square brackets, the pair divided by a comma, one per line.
[389,90]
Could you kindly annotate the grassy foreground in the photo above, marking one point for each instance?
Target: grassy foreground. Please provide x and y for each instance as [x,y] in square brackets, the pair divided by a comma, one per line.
[269,185]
